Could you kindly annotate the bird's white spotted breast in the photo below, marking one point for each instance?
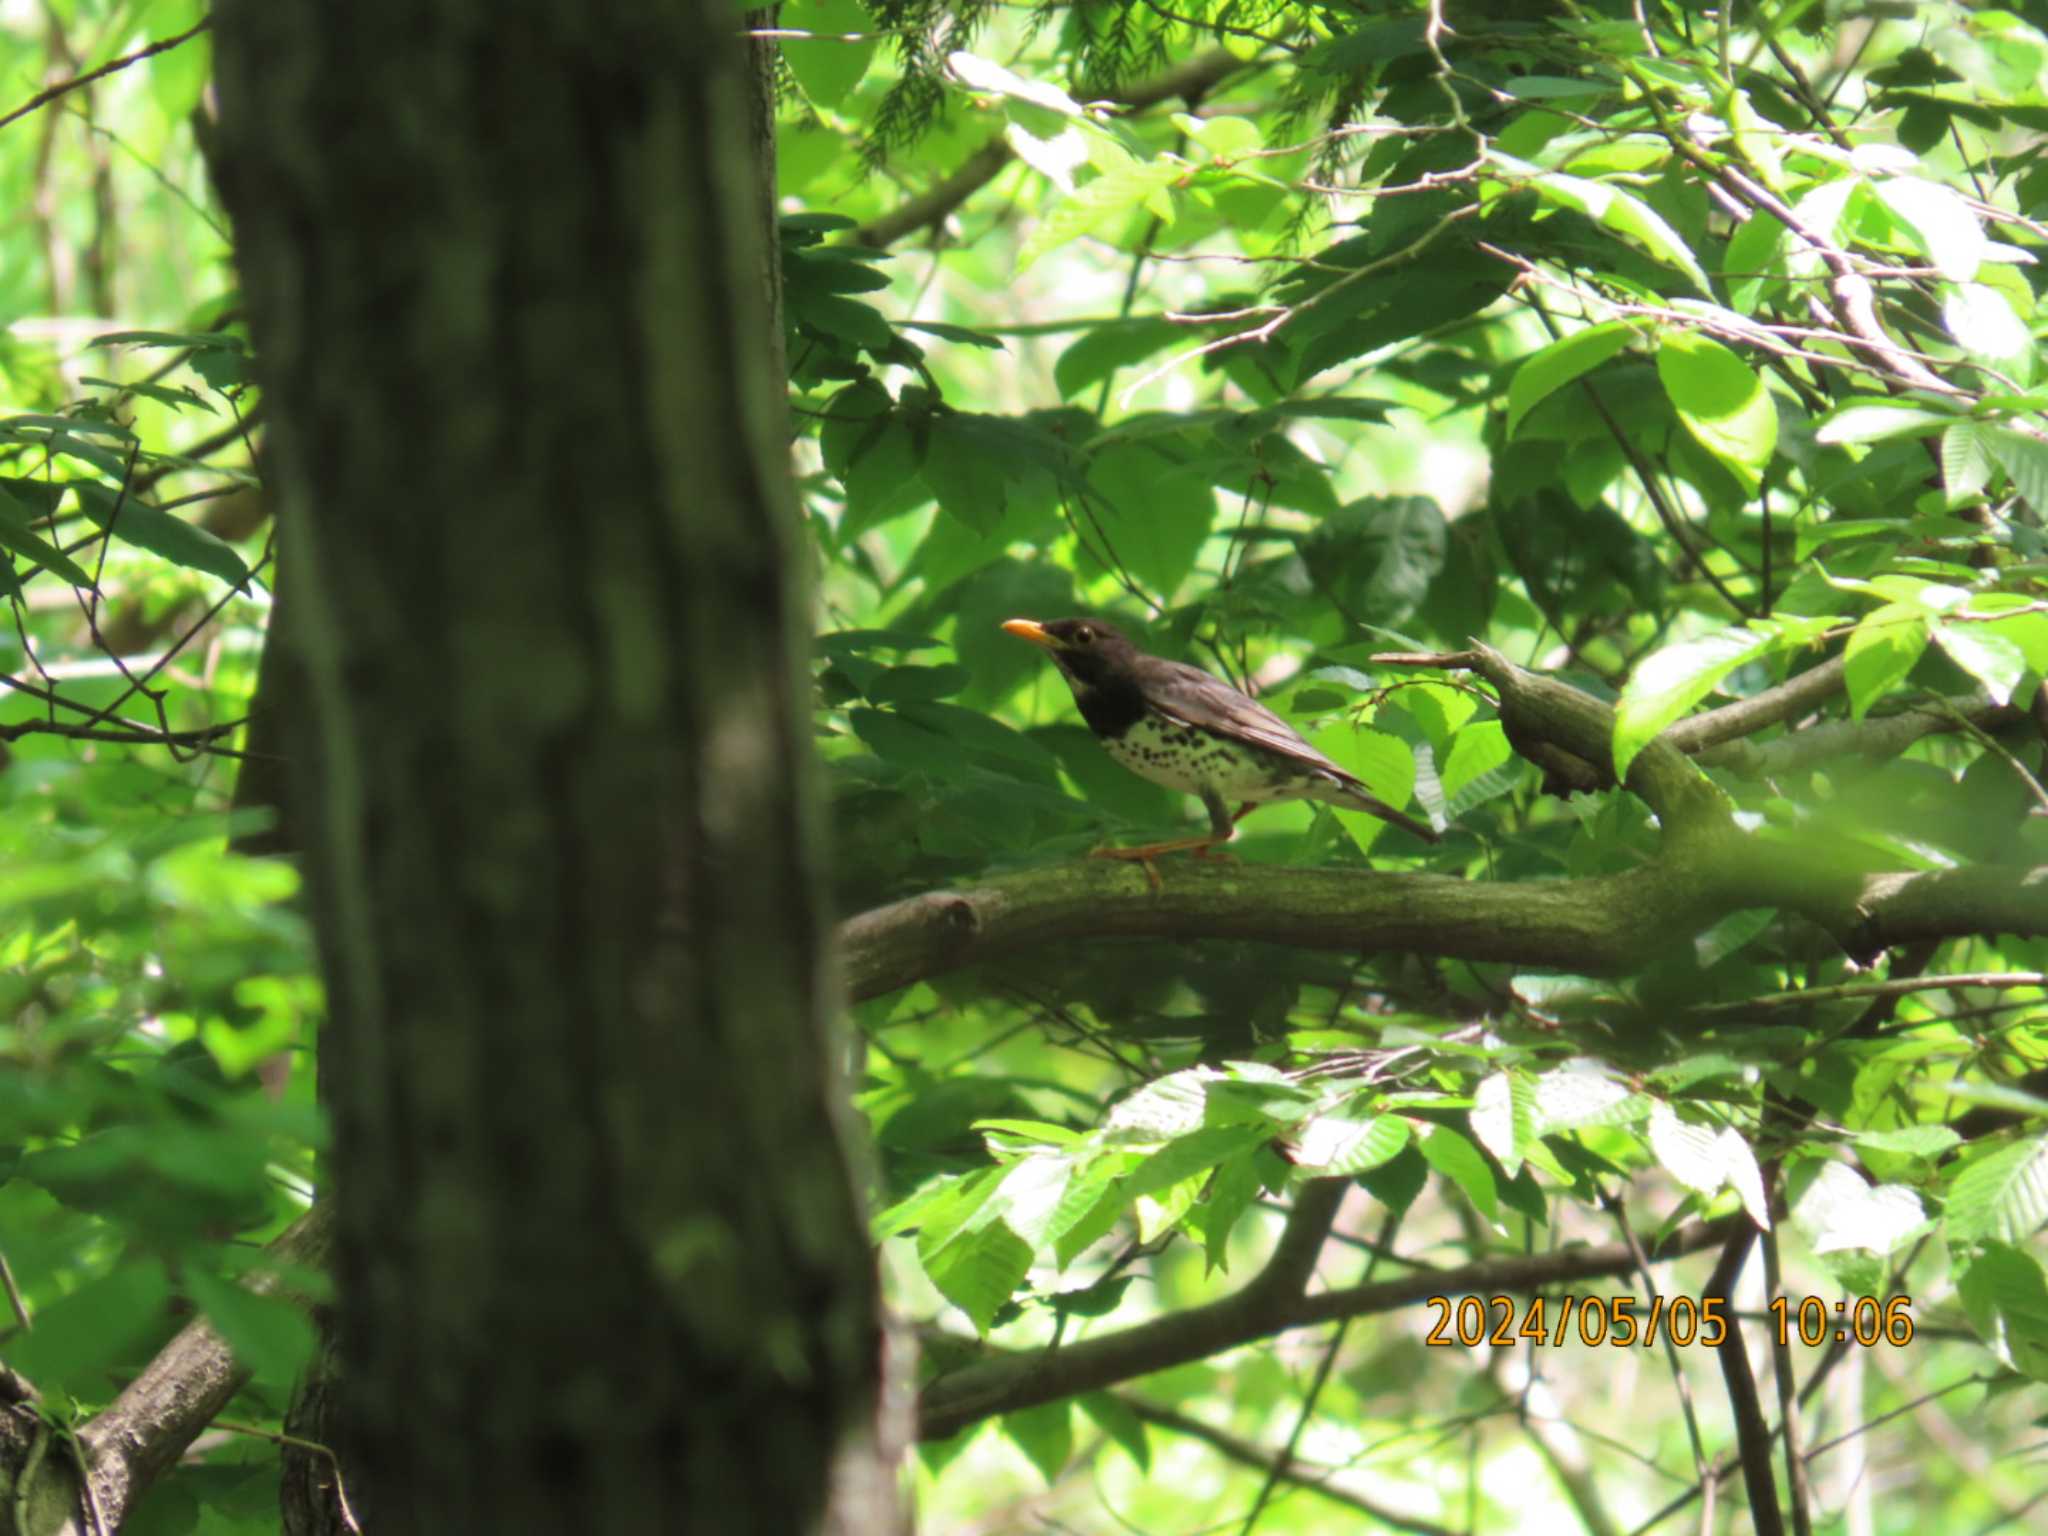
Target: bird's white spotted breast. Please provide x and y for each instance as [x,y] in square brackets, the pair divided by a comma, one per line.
[1188,760]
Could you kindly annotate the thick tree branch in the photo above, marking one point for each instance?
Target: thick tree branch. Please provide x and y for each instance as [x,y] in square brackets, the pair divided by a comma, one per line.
[131,1442]
[1792,698]
[1876,739]
[1009,1382]
[1604,925]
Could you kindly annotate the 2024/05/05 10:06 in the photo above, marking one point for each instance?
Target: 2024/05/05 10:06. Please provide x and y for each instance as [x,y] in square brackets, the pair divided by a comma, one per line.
[1615,1320]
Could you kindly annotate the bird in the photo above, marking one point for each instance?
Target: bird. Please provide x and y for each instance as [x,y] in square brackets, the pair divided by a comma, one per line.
[1176,725]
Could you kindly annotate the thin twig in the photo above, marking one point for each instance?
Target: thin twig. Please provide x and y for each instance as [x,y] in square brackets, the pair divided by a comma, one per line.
[113,66]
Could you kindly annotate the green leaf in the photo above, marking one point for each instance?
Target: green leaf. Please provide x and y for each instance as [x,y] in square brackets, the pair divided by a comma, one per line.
[1837,1211]
[14,536]
[1157,513]
[2025,459]
[2002,1196]
[827,70]
[1994,661]
[1609,206]
[1864,419]
[843,319]
[1346,1143]
[1045,1435]
[969,480]
[1545,372]
[1667,684]
[979,1271]
[79,1337]
[965,335]
[1476,751]
[271,1336]
[1383,763]
[1923,1141]
[1454,1156]
[1504,1117]
[1690,1153]
[179,397]
[1117,1421]
[1731,934]
[1965,462]
[1945,228]
[2005,1295]
[137,522]
[1377,556]
[1584,1091]
[1882,649]
[1722,403]
[1109,196]
[1103,349]
[1232,1191]
[1194,1153]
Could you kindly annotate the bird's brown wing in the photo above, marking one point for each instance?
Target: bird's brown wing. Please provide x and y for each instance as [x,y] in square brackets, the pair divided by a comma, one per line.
[1192,697]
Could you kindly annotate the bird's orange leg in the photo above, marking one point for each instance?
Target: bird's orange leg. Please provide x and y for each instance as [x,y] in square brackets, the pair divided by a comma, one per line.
[1222,828]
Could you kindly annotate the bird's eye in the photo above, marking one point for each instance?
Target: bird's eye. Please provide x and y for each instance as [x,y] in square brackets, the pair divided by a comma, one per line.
[1084,635]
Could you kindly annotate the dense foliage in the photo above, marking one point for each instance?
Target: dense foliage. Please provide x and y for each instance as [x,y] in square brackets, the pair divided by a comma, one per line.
[1611,431]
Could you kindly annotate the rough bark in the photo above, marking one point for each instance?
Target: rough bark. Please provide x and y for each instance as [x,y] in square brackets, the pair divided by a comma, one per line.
[600,1262]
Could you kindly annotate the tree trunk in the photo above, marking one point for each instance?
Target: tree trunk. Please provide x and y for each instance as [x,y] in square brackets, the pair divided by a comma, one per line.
[601,1263]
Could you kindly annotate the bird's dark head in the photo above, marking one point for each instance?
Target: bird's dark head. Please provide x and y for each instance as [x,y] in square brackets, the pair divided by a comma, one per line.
[1088,651]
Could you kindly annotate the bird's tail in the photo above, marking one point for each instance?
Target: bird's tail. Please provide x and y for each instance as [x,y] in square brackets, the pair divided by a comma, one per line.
[1359,800]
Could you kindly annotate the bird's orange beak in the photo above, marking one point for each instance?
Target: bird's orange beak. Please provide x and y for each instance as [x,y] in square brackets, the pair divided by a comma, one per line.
[1032,630]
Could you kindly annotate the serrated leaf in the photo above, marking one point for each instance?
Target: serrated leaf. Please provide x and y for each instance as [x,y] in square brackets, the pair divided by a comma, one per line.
[1995,662]
[2025,459]
[1691,1154]
[1983,324]
[1111,195]
[1738,1162]
[1584,1091]
[1186,1156]
[1730,934]
[1670,682]
[1544,373]
[979,1271]
[1924,1141]
[1868,420]
[1172,1106]
[2005,1295]
[1946,229]
[1347,1144]
[1882,649]
[1504,1117]
[1722,403]
[1232,1192]
[1965,465]
[1476,750]
[1612,208]
[2002,1196]
[1838,1211]
[1458,1160]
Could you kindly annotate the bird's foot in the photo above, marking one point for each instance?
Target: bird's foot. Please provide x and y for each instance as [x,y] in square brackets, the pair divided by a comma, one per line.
[1200,847]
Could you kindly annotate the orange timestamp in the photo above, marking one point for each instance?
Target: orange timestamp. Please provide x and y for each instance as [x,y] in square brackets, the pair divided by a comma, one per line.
[1684,1321]
[1620,1321]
